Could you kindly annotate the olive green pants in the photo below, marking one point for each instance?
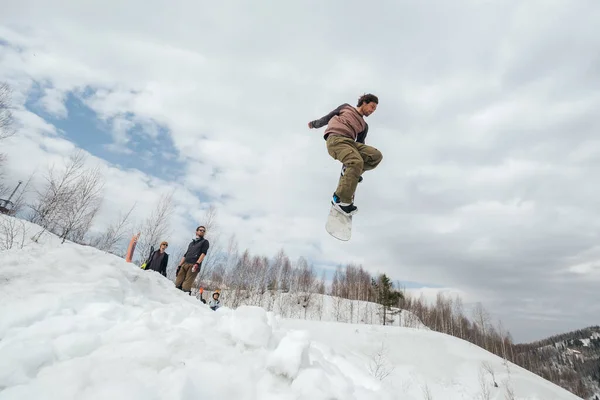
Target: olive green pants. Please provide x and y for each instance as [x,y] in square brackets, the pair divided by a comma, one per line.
[185,277]
[357,157]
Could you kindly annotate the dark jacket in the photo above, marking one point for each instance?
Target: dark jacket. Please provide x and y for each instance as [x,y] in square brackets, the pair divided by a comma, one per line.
[162,268]
[196,247]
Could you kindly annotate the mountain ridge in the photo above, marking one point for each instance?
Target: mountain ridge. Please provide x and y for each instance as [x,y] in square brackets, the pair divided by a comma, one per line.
[570,360]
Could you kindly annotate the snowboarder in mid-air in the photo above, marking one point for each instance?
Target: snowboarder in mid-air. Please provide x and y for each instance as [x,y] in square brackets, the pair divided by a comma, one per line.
[345,137]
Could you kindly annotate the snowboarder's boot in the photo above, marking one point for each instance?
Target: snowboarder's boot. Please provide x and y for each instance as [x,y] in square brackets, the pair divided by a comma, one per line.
[360,178]
[345,208]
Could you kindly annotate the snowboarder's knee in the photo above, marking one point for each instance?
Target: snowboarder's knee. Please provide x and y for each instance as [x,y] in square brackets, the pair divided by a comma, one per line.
[377,157]
[354,162]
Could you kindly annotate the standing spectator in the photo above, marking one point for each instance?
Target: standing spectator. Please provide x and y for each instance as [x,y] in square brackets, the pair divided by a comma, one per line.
[159,259]
[190,263]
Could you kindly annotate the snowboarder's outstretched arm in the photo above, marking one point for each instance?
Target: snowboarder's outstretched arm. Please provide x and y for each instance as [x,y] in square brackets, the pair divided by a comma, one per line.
[321,122]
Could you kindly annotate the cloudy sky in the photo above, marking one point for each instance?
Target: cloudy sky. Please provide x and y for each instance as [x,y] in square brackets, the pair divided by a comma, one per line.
[488,123]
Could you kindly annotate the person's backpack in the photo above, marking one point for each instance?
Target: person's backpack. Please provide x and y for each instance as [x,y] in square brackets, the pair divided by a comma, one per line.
[145,264]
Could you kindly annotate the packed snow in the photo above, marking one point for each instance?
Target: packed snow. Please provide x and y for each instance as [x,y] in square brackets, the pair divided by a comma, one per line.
[77,323]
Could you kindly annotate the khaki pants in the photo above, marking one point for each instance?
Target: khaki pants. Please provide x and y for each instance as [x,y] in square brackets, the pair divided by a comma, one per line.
[357,158]
[185,278]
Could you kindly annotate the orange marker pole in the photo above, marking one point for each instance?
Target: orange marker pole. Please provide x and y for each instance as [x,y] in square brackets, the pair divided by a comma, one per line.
[131,247]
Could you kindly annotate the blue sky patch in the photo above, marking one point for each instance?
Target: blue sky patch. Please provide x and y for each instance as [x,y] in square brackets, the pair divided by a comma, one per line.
[154,156]
[83,127]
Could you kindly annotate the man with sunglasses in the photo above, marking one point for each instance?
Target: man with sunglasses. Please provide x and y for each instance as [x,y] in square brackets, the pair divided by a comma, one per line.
[190,263]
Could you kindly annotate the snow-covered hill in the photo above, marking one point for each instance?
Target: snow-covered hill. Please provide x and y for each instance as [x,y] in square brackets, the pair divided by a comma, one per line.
[76,323]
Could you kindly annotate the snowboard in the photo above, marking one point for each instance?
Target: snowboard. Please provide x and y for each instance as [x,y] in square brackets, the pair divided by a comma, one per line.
[339,225]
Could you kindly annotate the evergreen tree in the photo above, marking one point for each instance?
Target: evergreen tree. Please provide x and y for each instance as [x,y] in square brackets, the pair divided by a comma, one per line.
[387,296]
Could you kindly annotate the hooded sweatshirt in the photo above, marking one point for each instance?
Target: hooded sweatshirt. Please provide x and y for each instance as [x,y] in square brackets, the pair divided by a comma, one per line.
[346,121]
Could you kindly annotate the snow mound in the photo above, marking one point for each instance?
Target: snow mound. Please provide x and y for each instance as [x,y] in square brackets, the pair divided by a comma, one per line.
[76,323]
[247,325]
[80,324]
[290,355]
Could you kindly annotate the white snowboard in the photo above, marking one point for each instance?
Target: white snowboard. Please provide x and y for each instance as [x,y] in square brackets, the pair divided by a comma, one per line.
[339,225]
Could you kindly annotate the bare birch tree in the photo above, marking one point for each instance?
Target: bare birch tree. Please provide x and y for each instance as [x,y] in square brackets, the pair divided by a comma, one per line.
[306,282]
[272,280]
[6,126]
[223,274]
[457,311]
[65,193]
[273,284]
[481,319]
[217,276]
[155,227]
[215,255]
[285,276]
[114,234]
[57,191]
[322,286]
[232,252]
[3,188]
[77,215]
[12,233]
[210,219]
[258,279]
[238,279]
[321,289]
[6,116]
[336,290]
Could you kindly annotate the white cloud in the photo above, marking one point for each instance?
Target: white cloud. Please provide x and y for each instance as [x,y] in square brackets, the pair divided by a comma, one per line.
[31,124]
[486,123]
[53,102]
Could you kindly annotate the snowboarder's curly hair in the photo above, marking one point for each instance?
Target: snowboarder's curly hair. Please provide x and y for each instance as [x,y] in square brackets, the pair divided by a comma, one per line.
[367,98]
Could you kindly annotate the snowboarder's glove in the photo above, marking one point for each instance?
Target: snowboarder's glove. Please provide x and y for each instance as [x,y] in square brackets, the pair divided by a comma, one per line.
[178,268]
[195,267]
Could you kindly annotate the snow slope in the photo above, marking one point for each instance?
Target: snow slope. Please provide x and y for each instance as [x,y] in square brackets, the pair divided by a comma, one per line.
[76,323]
